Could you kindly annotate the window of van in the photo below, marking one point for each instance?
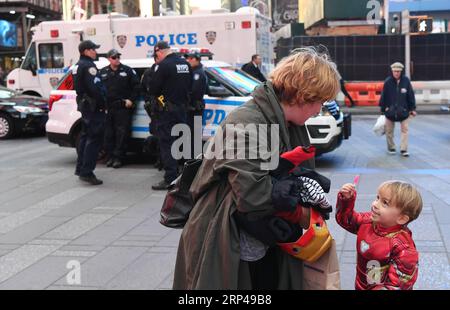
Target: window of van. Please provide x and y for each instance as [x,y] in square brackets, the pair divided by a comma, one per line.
[30,58]
[51,55]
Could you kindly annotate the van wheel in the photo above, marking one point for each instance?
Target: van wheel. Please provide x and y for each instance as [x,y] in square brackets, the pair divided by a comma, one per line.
[32,93]
[6,127]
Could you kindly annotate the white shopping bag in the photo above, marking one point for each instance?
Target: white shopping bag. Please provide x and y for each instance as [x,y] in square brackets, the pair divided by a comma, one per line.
[378,129]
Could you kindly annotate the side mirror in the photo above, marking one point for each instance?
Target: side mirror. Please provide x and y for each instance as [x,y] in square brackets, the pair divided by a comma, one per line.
[219,91]
[33,69]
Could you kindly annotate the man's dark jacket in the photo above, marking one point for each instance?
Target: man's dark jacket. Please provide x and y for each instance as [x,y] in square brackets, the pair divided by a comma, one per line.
[397,99]
[254,71]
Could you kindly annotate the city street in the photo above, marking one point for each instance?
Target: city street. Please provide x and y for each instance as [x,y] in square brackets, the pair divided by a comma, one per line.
[49,220]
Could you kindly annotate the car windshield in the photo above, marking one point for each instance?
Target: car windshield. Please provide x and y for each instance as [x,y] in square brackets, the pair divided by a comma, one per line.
[236,78]
[6,94]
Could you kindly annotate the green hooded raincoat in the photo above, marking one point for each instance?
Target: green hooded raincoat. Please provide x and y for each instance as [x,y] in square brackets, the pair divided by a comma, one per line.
[209,249]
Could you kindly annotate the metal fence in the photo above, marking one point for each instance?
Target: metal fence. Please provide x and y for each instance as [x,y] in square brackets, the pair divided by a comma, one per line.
[367,58]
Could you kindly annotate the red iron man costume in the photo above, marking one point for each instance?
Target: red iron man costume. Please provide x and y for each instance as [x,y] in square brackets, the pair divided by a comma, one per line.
[387,257]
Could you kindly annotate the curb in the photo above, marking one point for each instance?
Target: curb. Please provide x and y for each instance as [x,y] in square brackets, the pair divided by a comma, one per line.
[425,109]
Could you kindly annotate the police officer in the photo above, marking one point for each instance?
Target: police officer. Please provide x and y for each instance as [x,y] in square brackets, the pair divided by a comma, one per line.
[153,110]
[197,106]
[171,87]
[91,100]
[122,89]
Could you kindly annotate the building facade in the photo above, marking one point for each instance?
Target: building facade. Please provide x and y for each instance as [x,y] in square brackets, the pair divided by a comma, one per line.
[84,9]
[16,20]
[342,17]
[438,10]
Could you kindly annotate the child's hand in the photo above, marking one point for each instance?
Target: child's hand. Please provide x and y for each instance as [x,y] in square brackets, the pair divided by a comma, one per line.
[348,191]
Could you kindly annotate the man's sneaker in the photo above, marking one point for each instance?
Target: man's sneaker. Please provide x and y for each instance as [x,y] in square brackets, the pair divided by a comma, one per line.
[110,162]
[91,180]
[405,153]
[117,164]
[161,186]
[391,151]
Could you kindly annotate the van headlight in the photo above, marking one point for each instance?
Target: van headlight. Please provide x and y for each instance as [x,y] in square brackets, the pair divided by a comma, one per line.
[23,109]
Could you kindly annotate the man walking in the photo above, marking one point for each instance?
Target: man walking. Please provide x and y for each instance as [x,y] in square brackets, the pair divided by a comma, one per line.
[252,68]
[91,100]
[397,103]
[171,86]
[122,86]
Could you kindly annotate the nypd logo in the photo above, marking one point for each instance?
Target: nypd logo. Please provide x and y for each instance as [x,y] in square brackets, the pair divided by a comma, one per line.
[182,69]
[122,40]
[211,36]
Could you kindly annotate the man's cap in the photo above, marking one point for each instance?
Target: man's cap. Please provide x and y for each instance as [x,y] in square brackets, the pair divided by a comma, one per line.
[397,66]
[161,45]
[113,52]
[195,55]
[87,45]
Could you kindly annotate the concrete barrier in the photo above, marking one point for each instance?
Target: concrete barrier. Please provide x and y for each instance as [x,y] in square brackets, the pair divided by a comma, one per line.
[368,93]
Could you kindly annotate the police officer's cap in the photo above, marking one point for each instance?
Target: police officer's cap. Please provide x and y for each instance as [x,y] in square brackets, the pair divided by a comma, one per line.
[398,66]
[87,45]
[161,45]
[193,55]
[113,52]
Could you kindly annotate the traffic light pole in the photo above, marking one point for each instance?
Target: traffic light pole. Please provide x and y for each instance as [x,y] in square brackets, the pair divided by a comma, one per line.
[408,55]
[406,32]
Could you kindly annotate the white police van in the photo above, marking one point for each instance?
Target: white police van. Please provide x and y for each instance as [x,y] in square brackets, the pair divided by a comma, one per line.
[54,44]
[229,88]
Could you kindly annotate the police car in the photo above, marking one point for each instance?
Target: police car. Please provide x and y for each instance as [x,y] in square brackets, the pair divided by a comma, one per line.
[229,88]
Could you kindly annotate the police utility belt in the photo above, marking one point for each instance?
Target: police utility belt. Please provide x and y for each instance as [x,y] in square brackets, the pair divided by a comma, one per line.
[196,106]
[159,104]
[86,103]
[116,104]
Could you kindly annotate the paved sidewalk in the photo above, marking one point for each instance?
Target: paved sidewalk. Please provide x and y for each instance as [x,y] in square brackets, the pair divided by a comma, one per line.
[49,219]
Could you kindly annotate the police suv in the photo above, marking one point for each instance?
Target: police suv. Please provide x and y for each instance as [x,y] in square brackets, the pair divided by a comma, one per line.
[229,88]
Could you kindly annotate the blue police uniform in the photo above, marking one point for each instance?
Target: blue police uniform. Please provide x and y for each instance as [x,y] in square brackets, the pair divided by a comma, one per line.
[152,109]
[91,100]
[197,106]
[172,84]
[120,84]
